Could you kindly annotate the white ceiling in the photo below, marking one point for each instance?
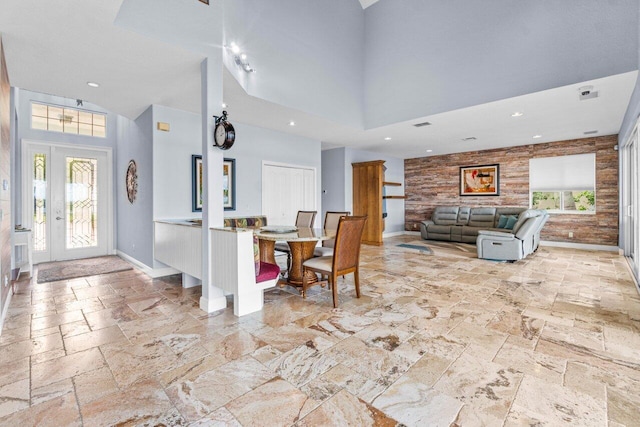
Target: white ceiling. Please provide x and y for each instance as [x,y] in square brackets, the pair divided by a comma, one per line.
[56,50]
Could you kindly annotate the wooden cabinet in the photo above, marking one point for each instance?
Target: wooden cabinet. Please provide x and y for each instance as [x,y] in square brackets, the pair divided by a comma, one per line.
[368,178]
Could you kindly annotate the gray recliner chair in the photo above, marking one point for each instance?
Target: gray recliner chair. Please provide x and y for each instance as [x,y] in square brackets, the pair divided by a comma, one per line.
[517,244]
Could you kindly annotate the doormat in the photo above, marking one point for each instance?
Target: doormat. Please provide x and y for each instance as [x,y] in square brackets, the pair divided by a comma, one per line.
[64,270]
[422,248]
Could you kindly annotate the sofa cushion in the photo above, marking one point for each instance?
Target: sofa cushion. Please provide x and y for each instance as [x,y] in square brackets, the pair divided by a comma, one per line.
[524,216]
[502,221]
[463,215]
[439,229]
[268,271]
[511,221]
[445,215]
[482,217]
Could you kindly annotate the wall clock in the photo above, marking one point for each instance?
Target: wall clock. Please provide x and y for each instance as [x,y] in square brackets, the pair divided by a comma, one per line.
[224,134]
[131,181]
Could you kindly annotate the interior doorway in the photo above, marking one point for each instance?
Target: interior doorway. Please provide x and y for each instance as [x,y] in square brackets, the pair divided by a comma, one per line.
[67,200]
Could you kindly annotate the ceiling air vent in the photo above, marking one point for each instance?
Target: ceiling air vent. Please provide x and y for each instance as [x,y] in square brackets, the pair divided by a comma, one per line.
[591,132]
[470,138]
[419,125]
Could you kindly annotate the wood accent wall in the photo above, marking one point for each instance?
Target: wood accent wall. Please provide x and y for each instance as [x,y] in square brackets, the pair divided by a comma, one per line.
[434,181]
[5,174]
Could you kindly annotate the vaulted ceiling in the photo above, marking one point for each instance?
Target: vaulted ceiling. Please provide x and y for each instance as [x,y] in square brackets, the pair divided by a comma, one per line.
[348,73]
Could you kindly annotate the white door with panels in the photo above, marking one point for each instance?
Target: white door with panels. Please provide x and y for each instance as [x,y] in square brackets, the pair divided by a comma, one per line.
[67,199]
[287,189]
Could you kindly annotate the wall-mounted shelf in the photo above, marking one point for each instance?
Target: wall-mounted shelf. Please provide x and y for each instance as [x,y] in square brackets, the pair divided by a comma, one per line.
[394,197]
[393,184]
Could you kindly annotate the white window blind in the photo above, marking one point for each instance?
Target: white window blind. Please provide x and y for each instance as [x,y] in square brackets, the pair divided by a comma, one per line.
[562,173]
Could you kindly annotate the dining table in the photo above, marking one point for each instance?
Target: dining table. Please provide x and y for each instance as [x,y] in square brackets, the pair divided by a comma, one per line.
[301,241]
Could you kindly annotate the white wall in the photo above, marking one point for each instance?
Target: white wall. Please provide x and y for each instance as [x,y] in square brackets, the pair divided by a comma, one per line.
[308,54]
[253,145]
[337,173]
[427,57]
[135,220]
[172,153]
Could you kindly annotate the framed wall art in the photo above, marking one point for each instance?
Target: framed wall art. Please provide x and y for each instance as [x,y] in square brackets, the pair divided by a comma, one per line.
[229,184]
[196,183]
[480,180]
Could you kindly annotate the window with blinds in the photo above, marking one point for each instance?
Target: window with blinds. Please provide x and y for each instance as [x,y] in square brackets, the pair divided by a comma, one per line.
[563,184]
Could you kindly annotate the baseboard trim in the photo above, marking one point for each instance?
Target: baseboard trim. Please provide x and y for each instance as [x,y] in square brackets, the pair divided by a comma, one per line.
[392,234]
[149,271]
[583,246]
[5,310]
[411,233]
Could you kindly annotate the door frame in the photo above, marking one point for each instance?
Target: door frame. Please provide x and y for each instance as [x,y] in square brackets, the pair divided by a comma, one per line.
[630,205]
[27,196]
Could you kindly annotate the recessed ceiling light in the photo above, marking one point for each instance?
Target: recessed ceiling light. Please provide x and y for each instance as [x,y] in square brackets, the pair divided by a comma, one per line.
[429,151]
[93,84]
[537,136]
[243,56]
[234,48]
[517,114]
[292,123]
[224,105]
[388,138]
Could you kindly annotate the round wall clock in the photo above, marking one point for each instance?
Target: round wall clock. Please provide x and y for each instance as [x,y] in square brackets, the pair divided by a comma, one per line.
[131,181]
[224,134]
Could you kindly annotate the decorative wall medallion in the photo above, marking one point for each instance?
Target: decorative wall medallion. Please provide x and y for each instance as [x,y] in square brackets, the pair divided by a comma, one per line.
[132,181]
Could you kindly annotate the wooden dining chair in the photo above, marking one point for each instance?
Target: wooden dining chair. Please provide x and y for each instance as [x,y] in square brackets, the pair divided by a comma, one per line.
[331,220]
[345,259]
[304,219]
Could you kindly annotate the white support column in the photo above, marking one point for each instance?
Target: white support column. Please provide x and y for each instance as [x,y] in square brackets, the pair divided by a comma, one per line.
[212,207]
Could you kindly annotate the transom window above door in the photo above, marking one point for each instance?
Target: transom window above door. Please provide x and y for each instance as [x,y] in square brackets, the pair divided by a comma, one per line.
[55,118]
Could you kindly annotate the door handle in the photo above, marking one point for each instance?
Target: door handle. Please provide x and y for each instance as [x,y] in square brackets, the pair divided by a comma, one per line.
[58,218]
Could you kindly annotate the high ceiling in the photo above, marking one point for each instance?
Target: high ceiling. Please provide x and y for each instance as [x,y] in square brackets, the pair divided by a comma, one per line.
[57,47]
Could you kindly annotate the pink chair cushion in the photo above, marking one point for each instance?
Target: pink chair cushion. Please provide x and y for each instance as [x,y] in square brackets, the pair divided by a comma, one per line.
[267,272]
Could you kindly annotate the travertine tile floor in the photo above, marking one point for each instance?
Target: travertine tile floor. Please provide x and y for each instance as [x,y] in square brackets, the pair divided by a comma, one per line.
[435,340]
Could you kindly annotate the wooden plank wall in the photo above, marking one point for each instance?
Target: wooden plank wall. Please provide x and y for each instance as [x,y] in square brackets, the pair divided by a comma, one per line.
[434,181]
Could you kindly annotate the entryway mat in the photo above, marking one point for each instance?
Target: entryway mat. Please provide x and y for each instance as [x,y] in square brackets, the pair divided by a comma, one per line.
[64,270]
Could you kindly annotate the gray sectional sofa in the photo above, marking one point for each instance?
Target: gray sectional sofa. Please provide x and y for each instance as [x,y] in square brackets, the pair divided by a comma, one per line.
[462,223]
[481,226]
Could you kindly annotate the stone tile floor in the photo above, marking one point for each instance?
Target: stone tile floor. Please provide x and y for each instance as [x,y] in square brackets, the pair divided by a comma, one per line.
[435,340]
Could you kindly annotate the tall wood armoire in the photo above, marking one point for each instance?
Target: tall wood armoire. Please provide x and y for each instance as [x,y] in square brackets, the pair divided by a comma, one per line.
[367,198]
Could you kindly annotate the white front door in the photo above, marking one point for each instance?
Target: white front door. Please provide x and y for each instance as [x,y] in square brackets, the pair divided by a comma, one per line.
[68,201]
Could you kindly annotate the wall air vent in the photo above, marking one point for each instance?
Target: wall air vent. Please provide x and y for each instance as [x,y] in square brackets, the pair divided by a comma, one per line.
[587,92]
[419,125]
[470,138]
[591,132]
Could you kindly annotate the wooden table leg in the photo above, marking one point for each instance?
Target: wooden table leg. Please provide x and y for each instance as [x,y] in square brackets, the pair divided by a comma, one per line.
[267,251]
[300,252]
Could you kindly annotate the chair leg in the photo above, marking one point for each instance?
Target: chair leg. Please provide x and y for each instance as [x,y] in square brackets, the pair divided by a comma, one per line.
[304,284]
[356,279]
[334,290]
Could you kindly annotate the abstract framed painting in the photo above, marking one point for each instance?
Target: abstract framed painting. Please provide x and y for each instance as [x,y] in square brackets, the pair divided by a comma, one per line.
[480,180]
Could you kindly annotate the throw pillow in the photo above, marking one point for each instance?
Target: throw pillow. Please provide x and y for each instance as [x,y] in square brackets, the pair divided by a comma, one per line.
[502,222]
[511,221]
[256,254]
